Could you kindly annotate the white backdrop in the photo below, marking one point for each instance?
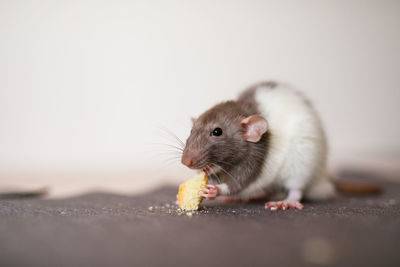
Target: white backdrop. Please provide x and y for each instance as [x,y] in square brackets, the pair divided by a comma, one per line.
[84,85]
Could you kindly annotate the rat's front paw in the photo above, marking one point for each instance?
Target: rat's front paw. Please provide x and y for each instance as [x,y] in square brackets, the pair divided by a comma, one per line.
[284,205]
[210,192]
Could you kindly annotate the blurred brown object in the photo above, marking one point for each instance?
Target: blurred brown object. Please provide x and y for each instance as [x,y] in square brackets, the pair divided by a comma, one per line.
[40,192]
[358,188]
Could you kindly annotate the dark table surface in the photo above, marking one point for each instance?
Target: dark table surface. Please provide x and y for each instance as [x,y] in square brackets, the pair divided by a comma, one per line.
[103,229]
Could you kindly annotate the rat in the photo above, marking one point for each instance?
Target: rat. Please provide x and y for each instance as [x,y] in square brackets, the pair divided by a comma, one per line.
[270,139]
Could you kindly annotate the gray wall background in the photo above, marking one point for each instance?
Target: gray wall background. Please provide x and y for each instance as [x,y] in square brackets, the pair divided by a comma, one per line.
[85,85]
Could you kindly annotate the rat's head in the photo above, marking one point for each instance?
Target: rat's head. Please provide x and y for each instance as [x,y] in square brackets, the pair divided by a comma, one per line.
[221,138]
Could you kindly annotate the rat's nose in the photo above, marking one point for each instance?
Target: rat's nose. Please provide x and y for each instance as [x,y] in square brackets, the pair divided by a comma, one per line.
[188,159]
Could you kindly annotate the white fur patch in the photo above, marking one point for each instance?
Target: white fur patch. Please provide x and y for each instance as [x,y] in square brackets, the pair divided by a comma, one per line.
[223,189]
[297,147]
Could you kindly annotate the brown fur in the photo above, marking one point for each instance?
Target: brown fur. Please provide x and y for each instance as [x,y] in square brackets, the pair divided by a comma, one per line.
[241,160]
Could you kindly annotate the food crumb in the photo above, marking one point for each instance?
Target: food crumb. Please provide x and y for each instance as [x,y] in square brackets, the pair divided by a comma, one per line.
[150,208]
[189,214]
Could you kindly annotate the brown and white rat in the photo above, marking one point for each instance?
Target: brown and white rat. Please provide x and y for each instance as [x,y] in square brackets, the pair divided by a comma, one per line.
[270,139]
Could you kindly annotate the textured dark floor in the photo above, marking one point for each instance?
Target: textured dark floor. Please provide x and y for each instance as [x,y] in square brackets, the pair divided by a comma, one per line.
[112,230]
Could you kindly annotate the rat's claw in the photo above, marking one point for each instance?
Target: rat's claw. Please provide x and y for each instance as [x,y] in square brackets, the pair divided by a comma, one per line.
[273,205]
[284,205]
[298,205]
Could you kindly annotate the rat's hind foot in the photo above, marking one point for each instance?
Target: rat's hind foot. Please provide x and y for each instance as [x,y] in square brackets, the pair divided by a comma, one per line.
[292,201]
[284,205]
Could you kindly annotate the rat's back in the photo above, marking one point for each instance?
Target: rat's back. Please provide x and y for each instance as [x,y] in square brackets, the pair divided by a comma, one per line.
[297,148]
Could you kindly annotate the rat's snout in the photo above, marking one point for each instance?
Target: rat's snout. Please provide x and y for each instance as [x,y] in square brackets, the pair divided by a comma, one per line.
[189,158]
[186,160]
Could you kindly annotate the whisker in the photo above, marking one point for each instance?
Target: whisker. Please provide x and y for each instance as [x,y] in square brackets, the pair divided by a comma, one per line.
[169,145]
[227,163]
[202,163]
[174,157]
[233,178]
[215,175]
[169,150]
[172,160]
[166,153]
[181,143]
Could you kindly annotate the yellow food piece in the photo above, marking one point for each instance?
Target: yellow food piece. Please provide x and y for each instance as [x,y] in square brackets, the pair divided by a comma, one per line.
[189,194]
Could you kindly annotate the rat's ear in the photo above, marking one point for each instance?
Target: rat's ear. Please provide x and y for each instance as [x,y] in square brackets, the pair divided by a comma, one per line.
[193,119]
[254,127]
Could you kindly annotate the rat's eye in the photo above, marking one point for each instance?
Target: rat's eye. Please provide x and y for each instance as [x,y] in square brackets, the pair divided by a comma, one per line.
[216,132]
